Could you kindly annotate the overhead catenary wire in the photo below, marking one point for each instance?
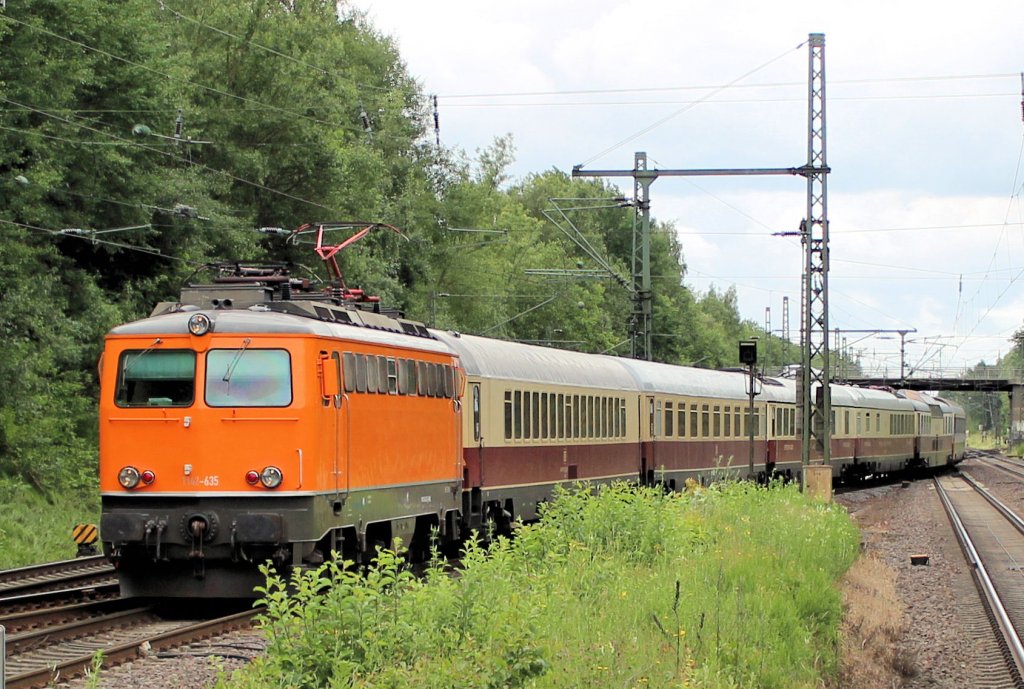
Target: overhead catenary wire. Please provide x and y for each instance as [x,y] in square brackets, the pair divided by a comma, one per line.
[676,113]
[211,89]
[106,242]
[259,46]
[695,87]
[171,154]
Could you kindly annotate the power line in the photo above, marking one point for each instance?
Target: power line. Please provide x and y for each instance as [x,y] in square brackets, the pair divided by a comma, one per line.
[89,237]
[728,101]
[170,154]
[211,89]
[272,51]
[693,87]
[676,113]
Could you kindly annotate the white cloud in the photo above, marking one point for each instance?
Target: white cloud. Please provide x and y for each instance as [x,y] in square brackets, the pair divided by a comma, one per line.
[905,151]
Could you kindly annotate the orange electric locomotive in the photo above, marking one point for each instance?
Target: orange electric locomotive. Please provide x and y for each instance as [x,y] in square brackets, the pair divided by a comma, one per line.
[229,436]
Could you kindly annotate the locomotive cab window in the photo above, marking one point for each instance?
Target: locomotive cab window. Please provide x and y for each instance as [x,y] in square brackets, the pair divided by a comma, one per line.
[149,378]
[249,378]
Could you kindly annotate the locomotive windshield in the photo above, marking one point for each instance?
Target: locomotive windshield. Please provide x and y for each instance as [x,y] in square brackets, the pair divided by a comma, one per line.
[248,378]
[156,378]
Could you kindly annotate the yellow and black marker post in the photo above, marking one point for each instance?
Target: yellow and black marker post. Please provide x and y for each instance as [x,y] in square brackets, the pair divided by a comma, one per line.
[85,536]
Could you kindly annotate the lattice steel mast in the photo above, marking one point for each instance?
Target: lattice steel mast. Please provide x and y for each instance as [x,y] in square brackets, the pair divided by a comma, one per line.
[814,235]
[814,333]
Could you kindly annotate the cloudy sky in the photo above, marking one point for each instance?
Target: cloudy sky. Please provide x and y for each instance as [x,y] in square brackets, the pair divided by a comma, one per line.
[924,139]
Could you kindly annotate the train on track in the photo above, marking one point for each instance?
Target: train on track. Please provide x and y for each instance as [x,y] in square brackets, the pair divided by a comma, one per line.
[256,420]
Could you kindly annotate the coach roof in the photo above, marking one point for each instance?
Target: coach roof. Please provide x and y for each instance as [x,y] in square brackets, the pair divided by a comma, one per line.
[532,364]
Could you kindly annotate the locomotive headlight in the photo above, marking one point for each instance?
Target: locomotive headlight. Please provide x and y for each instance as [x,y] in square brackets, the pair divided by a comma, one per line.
[271,477]
[199,324]
[128,477]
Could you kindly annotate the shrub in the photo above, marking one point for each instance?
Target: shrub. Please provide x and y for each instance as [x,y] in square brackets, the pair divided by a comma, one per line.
[727,587]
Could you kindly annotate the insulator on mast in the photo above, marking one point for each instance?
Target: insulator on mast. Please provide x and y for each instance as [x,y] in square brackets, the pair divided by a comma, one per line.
[437,124]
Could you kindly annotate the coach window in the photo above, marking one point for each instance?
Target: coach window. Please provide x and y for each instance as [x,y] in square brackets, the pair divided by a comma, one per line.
[350,372]
[382,374]
[371,373]
[716,420]
[508,412]
[149,378]
[403,376]
[527,406]
[681,420]
[248,378]
[705,421]
[517,414]
[476,413]
[392,376]
[447,381]
[693,421]
[669,416]
[360,373]
[421,379]
[337,363]
[727,421]
[536,415]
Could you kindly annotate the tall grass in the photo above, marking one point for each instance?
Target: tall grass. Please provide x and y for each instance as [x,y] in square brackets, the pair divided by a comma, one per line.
[36,528]
[732,586]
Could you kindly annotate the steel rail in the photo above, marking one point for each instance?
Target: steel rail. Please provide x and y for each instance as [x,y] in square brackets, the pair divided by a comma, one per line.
[1009,514]
[1003,464]
[36,638]
[48,568]
[1009,634]
[40,598]
[93,569]
[50,615]
[131,650]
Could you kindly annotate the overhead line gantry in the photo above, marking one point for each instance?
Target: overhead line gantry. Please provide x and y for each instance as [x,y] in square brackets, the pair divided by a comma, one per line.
[813,411]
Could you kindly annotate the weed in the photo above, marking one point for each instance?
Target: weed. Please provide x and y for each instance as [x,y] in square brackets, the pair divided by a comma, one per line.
[727,586]
[92,673]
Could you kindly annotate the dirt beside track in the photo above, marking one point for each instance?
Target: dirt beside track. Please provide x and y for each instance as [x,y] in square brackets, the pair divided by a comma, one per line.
[909,625]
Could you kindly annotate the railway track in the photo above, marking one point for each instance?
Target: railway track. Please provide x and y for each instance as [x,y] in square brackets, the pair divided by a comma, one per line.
[991,458]
[992,539]
[58,616]
[81,573]
[68,642]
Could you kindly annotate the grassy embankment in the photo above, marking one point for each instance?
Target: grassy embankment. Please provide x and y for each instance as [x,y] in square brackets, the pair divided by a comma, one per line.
[35,529]
[734,586]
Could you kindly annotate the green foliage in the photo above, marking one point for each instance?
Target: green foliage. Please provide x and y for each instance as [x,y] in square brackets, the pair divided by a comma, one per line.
[38,529]
[988,413]
[728,587]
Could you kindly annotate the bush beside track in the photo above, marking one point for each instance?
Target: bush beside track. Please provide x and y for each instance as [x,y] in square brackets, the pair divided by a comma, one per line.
[732,586]
[35,528]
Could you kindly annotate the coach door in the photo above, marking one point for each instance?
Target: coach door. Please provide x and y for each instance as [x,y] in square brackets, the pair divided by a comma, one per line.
[336,436]
[647,437]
